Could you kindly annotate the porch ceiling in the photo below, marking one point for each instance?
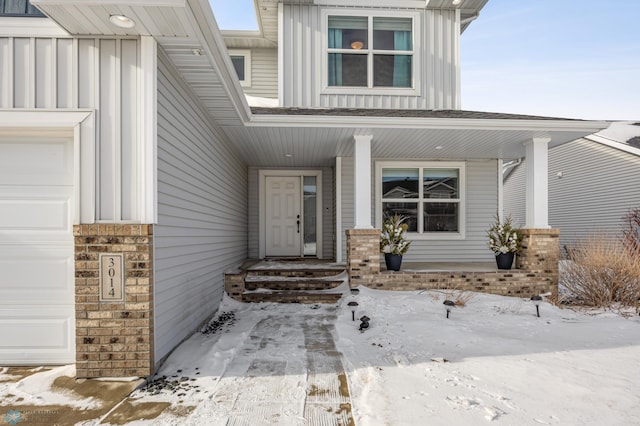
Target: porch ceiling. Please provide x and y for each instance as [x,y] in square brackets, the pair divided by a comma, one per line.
[315,140]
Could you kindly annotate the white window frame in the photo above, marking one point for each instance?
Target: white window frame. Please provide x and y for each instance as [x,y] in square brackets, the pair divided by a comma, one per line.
[416,34]
[247,65]
[421,165]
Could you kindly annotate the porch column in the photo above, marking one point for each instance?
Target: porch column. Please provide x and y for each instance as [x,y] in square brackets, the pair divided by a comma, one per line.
[362,181]
[537,192]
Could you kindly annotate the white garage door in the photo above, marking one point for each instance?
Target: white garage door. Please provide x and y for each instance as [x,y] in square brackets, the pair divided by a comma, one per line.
[36,251]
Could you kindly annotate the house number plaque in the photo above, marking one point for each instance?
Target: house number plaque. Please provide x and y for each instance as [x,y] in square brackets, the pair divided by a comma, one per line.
[111,278]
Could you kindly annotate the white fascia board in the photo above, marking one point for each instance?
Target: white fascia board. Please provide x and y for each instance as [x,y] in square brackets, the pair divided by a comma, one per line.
[39,118]
[132,3]
[204,23]
[273,120]
[412,4]
[613,144]
[30,27]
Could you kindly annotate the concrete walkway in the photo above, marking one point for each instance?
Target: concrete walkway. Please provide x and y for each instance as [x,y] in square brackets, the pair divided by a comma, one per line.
[265,386]
[284,370]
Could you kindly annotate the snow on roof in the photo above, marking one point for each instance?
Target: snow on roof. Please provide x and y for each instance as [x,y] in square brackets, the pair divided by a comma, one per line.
[621,131]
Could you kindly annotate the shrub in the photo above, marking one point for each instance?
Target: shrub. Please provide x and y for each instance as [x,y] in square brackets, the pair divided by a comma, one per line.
[631,232]
[601,272]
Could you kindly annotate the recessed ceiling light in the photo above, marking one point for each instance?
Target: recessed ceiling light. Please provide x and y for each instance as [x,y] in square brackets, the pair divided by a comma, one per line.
[122,21]
[439,147]
[288,155]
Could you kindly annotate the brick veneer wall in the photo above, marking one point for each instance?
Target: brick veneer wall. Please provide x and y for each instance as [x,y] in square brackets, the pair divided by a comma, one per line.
[114,339]
[363,256]
[536,268]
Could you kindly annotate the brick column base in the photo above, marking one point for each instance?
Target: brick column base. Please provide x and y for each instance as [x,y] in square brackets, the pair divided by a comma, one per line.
[540,255]
[363,255]
[114,339]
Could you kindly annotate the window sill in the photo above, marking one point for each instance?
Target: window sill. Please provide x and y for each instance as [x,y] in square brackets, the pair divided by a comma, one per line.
[387,91]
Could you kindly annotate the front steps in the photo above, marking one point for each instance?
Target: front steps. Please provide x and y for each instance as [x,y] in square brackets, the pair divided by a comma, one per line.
[286,282]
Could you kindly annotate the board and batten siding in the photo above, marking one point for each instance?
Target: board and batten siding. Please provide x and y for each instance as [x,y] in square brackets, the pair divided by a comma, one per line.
[264,74]
[328,211]
[480,209]
[302,59]
[84,74]
[202,213]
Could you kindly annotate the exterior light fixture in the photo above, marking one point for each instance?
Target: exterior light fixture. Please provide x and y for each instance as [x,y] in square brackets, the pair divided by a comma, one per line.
[537,300]
[355,291]
[448,305]
[353,306]
[357,45]
[122,21]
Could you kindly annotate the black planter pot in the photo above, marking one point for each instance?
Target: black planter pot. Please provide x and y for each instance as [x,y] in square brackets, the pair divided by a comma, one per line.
[504,260]
[393,261]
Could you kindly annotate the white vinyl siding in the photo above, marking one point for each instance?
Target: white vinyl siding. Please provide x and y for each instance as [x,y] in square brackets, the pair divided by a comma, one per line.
[89,74]
[599,185]
[202,213]
[515,195]
[480,206]
[264,74]
[328,213]
[437,46]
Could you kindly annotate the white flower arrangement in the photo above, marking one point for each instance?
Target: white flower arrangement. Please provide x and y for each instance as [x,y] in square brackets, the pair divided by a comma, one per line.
[503,237]
[393,238]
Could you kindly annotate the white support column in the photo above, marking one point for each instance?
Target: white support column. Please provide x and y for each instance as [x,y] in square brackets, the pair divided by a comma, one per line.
[362,181]
[537,188]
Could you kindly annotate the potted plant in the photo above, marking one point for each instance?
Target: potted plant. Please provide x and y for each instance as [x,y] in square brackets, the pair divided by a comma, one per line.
[393,241]
[504,241]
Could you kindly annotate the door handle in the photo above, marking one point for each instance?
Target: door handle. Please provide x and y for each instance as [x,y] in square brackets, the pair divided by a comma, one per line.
[298,223]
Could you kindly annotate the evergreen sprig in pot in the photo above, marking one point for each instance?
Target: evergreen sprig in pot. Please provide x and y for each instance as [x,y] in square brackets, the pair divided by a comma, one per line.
[393,241]
[504,241]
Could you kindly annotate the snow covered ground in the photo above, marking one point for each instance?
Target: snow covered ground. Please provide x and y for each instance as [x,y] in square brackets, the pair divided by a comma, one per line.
[492,362]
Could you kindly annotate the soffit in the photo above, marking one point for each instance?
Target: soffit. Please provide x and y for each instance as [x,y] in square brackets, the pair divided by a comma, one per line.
[314,141]
[184,29]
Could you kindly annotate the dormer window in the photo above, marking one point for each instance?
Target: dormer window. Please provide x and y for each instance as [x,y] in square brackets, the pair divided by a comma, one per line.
[370,51]
[241,60]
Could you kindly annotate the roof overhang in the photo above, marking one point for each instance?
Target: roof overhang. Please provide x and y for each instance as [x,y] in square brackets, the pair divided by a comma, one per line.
[314,138]
[188,36]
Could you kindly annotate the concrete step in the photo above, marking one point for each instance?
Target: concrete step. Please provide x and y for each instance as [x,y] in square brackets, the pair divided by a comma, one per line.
[289,283]
[290,297]
[292,272]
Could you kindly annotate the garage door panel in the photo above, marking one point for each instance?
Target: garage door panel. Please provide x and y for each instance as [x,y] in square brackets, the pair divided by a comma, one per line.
[36,335]
[37,311]
[36,274]
[28,162]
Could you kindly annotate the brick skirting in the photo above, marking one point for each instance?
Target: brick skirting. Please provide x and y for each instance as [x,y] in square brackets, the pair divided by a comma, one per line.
[536,268]
[114,339]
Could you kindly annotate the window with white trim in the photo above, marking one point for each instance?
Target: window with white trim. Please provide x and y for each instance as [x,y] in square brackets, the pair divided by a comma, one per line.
[241,60]
[429,194]
[368,51]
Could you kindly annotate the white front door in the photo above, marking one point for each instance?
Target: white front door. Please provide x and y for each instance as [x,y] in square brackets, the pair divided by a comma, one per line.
[37,310]
[283,216]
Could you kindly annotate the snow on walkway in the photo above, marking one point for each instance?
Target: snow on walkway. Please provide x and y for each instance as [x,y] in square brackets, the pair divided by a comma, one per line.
[283,369]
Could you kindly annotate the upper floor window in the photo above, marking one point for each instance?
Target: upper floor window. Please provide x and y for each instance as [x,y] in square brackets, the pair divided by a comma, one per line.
[429,194]
[370,51]
[18,8]
[241,60]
